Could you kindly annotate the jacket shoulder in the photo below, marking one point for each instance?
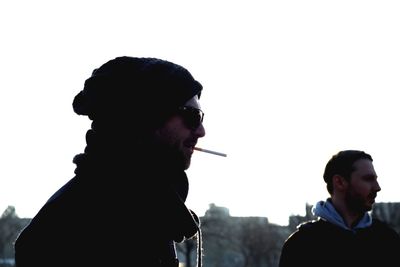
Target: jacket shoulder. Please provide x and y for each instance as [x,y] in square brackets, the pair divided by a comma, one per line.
[296,248]
[383,228]
[307,230]
[308,224]
[312,225]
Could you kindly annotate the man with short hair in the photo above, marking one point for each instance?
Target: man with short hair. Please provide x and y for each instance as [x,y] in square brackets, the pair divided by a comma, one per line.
[345,233]
[125,204]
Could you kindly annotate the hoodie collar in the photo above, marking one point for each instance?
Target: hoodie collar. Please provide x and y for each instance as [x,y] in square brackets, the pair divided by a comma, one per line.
[326,211]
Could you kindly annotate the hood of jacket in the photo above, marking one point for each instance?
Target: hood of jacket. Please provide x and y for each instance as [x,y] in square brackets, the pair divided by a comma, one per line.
[326,211]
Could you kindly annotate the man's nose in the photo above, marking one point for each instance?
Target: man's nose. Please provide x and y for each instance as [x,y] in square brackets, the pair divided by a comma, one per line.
[200,131]
[377,186]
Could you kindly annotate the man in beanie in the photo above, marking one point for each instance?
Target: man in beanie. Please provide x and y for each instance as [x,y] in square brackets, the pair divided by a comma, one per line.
[125,204]
[345,234]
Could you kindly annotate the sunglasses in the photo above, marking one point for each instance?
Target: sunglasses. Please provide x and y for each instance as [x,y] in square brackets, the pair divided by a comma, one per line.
[192,117]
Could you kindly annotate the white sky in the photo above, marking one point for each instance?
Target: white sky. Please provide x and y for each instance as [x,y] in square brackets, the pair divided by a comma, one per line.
[286,85]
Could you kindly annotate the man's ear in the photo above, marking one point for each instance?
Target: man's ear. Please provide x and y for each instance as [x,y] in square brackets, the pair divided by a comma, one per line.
[339,182]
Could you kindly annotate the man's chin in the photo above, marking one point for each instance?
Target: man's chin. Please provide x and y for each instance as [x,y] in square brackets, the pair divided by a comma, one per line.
[368,208]
[186,158]
[370,205]
[186,164]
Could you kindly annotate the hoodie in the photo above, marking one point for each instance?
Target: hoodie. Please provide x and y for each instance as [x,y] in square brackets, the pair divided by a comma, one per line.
[326,211]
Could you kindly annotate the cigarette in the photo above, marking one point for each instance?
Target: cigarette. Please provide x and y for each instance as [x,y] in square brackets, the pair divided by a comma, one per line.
[210,151]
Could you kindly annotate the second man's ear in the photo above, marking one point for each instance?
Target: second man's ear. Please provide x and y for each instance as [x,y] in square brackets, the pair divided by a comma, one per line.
[339,182]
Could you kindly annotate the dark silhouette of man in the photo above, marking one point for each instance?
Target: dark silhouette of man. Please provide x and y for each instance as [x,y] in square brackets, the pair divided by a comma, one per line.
[345,233]
[125,204]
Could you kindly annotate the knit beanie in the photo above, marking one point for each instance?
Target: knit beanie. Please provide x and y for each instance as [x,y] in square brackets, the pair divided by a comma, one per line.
[139,91]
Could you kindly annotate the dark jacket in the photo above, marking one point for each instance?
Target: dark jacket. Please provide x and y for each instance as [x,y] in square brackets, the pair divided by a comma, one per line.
[111,214]
[320,243]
